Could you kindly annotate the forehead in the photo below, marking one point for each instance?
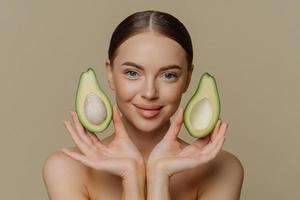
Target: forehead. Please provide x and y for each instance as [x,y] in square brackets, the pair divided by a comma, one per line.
[151,49]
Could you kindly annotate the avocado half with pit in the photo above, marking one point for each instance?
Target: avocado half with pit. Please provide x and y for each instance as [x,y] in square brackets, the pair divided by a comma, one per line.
[92,105]
[202,111]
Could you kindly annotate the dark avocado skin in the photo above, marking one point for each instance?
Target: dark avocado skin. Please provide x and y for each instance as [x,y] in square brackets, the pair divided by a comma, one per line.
[200,134]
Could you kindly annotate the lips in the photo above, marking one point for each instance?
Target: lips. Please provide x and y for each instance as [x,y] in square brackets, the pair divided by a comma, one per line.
[148,111]
[148,107]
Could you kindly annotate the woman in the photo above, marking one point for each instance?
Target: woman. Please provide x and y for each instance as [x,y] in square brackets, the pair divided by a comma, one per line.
[149,68]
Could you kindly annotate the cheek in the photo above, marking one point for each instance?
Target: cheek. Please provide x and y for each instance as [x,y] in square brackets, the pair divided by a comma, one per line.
[171,94]
[125,90]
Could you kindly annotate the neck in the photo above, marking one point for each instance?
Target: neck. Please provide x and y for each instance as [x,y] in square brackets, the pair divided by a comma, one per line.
[145,141]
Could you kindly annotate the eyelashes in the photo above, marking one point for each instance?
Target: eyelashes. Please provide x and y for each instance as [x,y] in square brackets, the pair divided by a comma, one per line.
[173,75]
[168,75]
[131,73]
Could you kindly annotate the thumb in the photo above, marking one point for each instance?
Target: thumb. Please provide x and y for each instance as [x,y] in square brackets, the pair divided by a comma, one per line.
[176,125]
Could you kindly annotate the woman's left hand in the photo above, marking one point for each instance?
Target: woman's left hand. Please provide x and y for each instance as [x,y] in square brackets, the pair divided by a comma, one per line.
[170,158]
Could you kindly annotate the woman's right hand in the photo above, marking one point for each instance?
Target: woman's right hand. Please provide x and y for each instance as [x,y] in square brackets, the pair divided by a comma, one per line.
[120,157]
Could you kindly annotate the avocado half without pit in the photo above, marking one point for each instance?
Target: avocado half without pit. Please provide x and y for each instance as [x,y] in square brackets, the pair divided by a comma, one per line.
[202,111]
[92,105]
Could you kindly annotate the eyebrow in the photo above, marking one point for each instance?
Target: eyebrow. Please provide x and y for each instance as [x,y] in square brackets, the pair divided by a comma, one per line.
[171,66]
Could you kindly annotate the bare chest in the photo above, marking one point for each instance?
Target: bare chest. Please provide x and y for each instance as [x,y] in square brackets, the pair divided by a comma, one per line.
[109,187]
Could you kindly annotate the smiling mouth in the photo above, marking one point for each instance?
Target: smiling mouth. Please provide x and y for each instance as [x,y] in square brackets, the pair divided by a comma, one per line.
[147,112]
[148,107]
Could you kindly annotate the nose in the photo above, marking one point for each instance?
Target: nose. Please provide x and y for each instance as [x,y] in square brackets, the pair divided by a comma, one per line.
[149,90]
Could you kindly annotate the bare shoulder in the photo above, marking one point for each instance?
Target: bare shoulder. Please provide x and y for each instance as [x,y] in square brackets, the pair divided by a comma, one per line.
[229,166]
[226,180]
[64,177]
[228,160]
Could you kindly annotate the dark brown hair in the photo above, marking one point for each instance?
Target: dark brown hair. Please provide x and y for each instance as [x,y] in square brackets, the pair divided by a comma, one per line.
[150,20]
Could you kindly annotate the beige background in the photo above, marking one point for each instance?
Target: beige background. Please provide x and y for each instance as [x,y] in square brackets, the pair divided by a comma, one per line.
[251,47]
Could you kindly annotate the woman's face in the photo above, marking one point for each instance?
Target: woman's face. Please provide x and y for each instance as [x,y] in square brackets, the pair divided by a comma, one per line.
[149,76]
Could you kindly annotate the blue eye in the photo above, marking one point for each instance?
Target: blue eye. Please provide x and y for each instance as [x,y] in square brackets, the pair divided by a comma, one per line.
[131,73]
[169,76]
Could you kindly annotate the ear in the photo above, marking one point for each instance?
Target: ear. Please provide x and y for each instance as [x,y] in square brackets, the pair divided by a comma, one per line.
[189,77]
[109,72]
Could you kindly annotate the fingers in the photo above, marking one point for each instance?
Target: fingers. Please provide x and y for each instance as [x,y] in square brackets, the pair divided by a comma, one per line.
[118,124]
[79,157]
[216,129]
[224,128]
[176,125]
[214,152]
[201,142]
[81,144]
[80,129]
[94,138]
[116,166]
[219,137]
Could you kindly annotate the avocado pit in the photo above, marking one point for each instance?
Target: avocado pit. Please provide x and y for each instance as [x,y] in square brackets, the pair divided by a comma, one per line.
[201,114]
[94,109]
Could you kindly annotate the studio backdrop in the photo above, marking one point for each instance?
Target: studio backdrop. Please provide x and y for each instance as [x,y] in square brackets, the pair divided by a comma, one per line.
[250,47]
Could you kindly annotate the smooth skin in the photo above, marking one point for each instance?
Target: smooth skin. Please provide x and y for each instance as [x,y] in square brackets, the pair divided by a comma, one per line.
[144,158]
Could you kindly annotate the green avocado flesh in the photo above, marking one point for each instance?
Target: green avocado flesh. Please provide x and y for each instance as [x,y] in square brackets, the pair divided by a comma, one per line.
[202,111]
[92,105]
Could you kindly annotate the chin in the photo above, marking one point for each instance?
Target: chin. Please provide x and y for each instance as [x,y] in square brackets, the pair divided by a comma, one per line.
[145,124]
[147,127]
